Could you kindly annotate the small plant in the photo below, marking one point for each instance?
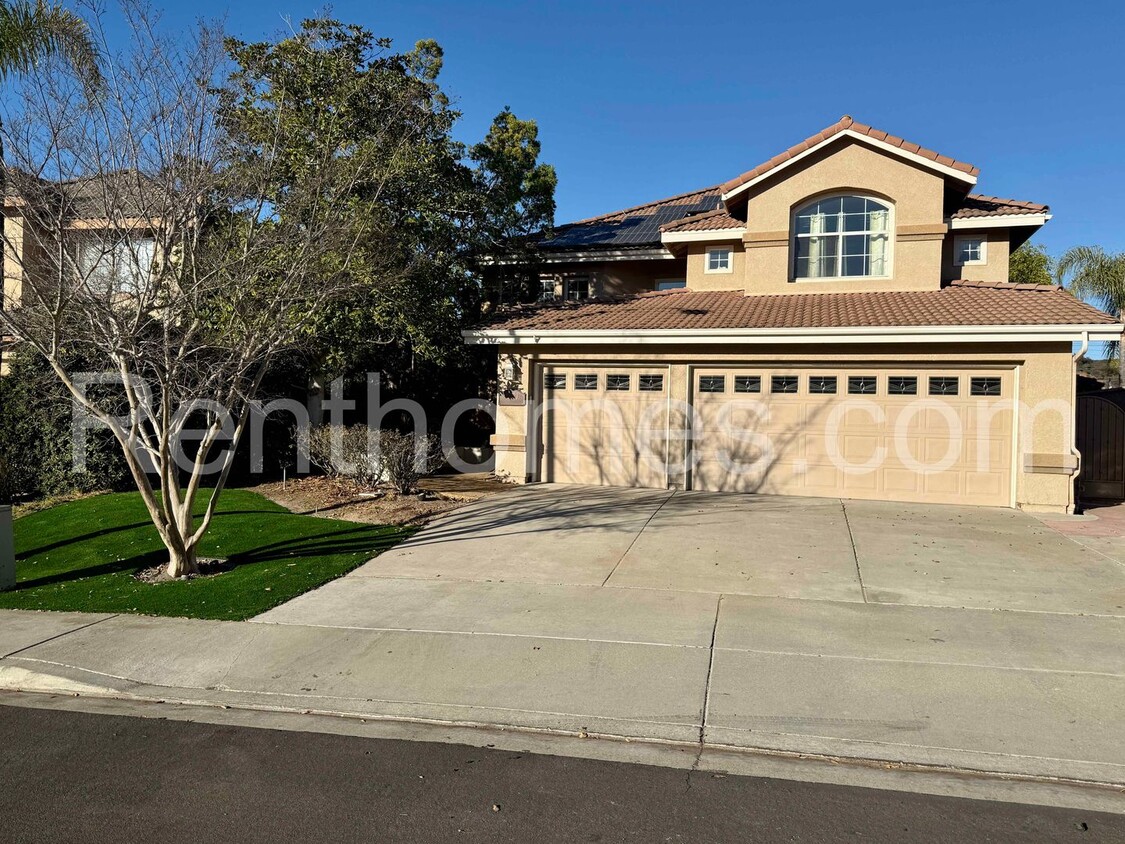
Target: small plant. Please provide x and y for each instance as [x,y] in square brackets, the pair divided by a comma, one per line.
[407,458]
[369,458]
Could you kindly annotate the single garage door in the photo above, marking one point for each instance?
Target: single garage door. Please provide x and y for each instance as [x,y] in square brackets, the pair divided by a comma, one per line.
[605,425]
[915,434]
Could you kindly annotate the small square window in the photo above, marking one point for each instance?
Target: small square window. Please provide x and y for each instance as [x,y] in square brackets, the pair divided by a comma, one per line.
[577,289]
[554,381]
[748,383]
[984,386]
[862,385]
[712,384]
[617,382]
[585,382]
[944,385]
[822,384]
[650,383]
[718,260]
[547,290]
[969,250]
[902,385]
[783,384]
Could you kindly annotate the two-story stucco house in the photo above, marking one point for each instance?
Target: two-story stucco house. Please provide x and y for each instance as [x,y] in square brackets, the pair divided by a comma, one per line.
[836,321]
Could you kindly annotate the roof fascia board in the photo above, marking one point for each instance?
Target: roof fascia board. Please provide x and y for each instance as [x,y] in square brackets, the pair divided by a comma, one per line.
[606,255]
[999,221]
[951,172]
[1097,332]
[702,235]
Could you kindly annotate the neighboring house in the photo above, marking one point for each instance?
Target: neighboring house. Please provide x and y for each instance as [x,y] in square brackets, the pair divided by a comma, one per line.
[836,321]
[98,228]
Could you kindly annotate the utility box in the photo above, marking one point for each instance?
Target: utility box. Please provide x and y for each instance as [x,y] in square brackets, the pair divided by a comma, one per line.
[7,549]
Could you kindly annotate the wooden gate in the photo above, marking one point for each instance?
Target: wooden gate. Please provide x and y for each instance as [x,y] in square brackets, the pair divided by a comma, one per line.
[1100,437]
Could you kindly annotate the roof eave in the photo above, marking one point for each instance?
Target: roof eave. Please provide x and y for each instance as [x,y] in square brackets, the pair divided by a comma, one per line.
[1044,333]
[921,160]
[999,221]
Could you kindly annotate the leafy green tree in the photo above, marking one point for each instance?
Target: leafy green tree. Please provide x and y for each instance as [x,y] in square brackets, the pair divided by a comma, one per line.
[516,195]
[1030,264]
[432,210]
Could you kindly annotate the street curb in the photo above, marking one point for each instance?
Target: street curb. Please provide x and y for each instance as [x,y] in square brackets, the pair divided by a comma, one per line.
[18,679]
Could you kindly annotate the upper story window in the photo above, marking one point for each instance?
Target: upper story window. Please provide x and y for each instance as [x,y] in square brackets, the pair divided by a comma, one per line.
[969,250]
[577,288]
[718,260]
[116,264]
[671,284]
[842,237]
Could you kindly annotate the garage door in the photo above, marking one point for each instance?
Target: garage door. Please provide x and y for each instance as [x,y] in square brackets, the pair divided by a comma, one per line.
[605,425]
[928,435]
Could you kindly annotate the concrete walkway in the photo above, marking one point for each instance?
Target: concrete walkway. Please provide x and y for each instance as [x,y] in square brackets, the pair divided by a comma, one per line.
[966,639]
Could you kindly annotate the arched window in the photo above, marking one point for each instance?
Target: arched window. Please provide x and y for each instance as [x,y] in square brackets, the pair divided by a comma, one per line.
[842,237]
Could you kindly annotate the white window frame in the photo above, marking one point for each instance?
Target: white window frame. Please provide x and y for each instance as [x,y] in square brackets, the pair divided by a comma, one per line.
[729,268]
[888,259]
[960,239]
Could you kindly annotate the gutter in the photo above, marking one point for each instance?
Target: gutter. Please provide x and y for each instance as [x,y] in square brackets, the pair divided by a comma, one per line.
[846,335]
[1072,500]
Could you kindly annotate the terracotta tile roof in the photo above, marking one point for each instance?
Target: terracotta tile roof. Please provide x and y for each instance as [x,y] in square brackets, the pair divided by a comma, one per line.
[959,303]
[846,122]
[719,219]
[975,205]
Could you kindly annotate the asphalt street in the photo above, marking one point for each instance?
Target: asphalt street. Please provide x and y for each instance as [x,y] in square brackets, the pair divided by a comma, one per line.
[79,777]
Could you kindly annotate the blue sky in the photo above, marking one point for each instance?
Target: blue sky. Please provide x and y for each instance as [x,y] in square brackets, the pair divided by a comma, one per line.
[640,100]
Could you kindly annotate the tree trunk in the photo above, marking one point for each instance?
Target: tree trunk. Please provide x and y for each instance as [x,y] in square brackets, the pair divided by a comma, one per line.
[182,562]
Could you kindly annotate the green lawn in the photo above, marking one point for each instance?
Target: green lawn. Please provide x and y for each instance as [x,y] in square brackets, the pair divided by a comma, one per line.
[82,556]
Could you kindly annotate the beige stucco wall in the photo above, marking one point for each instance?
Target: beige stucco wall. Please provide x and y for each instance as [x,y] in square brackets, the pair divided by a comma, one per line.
[916,196]
[13,256]
[1044,378]
[699,279]
[996,254]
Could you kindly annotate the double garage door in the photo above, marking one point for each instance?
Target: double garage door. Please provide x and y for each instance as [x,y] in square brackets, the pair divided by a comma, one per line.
[927,434]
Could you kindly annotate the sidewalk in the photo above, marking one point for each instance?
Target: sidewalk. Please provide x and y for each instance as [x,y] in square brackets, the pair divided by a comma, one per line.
[1036,695]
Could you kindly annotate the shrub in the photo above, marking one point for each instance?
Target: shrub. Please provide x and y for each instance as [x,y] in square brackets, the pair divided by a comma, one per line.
[35,437]
[369,458]
[407,458]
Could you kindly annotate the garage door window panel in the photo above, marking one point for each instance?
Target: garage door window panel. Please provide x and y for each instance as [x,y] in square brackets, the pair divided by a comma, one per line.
[554,381]
[650,383]
[984,386]
[585,382]
[944,385]
[748,383]
[862,385]
[902,385]
[712,384]
[822,384]
[617,383]
[784,384]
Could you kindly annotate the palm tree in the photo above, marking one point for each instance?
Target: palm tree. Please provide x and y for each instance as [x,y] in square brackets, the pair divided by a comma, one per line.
[33,31]
[1098,276]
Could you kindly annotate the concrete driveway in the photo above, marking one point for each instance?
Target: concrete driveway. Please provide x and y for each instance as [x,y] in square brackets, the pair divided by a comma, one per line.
[689,543]
[816,626]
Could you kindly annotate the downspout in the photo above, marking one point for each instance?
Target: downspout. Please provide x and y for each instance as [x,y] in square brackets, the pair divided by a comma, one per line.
[1084,346]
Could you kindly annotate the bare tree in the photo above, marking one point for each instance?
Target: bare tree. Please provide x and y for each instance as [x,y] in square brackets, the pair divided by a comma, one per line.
[149,244]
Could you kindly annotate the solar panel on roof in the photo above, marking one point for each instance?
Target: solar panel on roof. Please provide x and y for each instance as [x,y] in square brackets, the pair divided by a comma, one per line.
[639,229]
